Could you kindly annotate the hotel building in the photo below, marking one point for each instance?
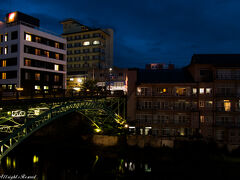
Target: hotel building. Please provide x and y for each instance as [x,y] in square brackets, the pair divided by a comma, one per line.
[88,49]
[31,59]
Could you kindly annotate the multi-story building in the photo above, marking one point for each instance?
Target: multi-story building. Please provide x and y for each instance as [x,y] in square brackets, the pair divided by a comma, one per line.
[113,79]
[31,60]
[200,99]
[88,49]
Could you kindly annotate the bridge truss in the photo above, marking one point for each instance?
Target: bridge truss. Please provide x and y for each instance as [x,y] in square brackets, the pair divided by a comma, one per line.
[19,121]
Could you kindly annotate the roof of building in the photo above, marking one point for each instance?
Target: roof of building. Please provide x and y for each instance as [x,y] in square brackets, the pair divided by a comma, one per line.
[164,76]
[217,59]
[70,20]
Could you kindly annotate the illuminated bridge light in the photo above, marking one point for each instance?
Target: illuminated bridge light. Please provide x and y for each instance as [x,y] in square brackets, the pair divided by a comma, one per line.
[97,130]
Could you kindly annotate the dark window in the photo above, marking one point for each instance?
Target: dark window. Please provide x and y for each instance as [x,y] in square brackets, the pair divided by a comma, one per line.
[1,38]
[14,48]
[14,35]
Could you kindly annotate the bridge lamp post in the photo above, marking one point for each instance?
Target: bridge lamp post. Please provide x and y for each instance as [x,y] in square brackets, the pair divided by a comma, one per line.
[110,73]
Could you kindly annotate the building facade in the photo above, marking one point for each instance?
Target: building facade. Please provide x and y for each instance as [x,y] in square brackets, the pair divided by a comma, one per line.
[200,100]
[88,49]
[113,79]
[31,59]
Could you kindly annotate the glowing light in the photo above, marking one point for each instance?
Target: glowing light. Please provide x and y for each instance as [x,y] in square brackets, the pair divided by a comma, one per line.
[76,89]
[19,89]
[97,130]
[86,43]
[71,79]
[35,159]
[28,37]
[96,42]
[45,87]
[9,112]
[79,80]
[18,113]
[56,67]
[11,17]
[126,126]
[14,163]
[8,162]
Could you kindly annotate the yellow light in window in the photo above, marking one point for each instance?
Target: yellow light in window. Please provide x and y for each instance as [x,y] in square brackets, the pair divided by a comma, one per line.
[164,90]
[4,76]
[11,17]
[37,87]
[56,67]
[86,43]
[96,42]
[4,63]
[28,37]
[45,87]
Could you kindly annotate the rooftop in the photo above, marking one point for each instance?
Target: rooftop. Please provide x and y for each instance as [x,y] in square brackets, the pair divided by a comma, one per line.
[164,76]
[217,59]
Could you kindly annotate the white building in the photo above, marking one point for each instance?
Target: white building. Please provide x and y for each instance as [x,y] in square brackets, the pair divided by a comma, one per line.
[29,57]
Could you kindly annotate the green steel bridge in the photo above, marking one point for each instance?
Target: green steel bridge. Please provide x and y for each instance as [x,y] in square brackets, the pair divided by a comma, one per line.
[20,119]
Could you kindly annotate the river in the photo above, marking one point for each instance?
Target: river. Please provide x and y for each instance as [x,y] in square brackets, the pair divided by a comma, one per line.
[69,162]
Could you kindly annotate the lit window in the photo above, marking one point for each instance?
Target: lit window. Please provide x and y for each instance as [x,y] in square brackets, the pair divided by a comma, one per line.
[6,37]
[56,45]
[6,50]
[37,52]
[86,43]
[45,87]
[11,17]
[9,86]
[208,90]
[37,76]
[71,79]
[4,63]
[56,67]
[227,105]
[201,90]
[4,76]
[4,86]
[194,90]
[37,87]
[46,53]
[201,103]
[181,91]
[56,56]
[56,78]
[202,119]
[27,62]
[96,42]
[28,37]
[37,39]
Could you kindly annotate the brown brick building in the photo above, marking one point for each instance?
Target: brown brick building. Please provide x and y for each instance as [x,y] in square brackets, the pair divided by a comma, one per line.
[202,99]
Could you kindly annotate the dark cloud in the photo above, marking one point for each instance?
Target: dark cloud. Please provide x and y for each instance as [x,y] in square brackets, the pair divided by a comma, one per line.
[147,30]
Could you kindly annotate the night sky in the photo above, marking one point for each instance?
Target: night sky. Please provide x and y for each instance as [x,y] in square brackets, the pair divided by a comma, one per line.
[146,31]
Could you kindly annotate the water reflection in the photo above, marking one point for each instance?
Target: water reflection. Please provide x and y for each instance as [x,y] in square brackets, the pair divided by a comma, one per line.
[61,164]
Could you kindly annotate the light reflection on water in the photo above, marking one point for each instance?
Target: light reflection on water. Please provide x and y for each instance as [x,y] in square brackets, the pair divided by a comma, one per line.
[90,164]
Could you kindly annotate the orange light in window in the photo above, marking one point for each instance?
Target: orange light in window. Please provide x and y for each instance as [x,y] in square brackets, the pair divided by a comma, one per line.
[11,17]
[4,76]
